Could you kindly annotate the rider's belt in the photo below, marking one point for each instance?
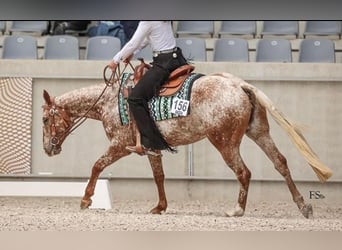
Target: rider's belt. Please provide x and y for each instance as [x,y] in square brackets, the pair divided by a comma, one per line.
[167,51]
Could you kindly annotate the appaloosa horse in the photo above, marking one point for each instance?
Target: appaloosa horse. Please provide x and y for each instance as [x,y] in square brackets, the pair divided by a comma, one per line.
[223,108]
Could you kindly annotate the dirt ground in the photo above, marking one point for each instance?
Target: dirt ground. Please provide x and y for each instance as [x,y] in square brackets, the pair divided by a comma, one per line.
[64,214]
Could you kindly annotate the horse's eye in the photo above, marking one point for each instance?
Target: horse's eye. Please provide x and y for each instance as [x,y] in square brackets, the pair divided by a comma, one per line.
[45,120]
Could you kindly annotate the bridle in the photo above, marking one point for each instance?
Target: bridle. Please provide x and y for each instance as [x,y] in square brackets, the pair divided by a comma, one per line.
[72,125]
[58,111]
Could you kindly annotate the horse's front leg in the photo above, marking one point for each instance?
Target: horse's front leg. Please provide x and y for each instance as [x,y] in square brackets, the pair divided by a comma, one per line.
[158,174]
[104,161]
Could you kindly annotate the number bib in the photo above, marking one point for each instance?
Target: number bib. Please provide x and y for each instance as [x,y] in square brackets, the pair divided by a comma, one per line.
[180,106]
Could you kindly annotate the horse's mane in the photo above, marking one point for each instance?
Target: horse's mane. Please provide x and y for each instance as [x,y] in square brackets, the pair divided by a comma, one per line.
[86,94]
[78,100]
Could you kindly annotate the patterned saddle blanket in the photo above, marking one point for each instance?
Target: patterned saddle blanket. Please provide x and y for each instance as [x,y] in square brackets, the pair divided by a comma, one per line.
[161,107]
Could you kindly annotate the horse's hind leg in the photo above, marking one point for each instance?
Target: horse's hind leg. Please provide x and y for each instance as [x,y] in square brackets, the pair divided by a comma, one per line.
[259,133]
[229,149]
[158,174]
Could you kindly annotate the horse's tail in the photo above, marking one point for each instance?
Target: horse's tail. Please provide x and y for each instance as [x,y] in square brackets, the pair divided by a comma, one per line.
[322,171]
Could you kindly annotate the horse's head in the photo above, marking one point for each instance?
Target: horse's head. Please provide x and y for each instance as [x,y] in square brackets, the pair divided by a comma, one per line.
[56,125]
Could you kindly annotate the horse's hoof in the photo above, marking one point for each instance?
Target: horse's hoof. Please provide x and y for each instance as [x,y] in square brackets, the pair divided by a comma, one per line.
[236,212]
[85,203]
[157,210]
[307,211]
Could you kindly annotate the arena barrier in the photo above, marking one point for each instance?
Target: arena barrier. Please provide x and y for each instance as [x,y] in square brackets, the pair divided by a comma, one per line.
[101,199]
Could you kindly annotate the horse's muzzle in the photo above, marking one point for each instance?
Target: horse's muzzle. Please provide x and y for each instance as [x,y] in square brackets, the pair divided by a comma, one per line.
[53,150]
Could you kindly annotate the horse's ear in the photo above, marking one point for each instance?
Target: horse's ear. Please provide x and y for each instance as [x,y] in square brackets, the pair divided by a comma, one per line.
[47,97]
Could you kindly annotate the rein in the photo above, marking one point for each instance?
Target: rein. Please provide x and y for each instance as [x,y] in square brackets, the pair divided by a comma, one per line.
[79,121]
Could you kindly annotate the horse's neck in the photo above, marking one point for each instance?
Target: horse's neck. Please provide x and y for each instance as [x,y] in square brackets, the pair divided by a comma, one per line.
[79,101]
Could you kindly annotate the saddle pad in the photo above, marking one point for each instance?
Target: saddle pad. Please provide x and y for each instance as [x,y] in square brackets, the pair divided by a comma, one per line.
[160,106]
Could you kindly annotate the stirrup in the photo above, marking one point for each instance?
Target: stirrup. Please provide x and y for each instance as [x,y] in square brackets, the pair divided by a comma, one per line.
[142,151]
[151,152]
[135,149]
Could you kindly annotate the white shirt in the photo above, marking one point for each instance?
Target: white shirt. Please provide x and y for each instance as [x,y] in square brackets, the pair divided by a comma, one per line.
[157,34]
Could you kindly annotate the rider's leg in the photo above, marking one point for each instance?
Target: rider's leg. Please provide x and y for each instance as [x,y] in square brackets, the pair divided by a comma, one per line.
[149,86]
[138,104]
